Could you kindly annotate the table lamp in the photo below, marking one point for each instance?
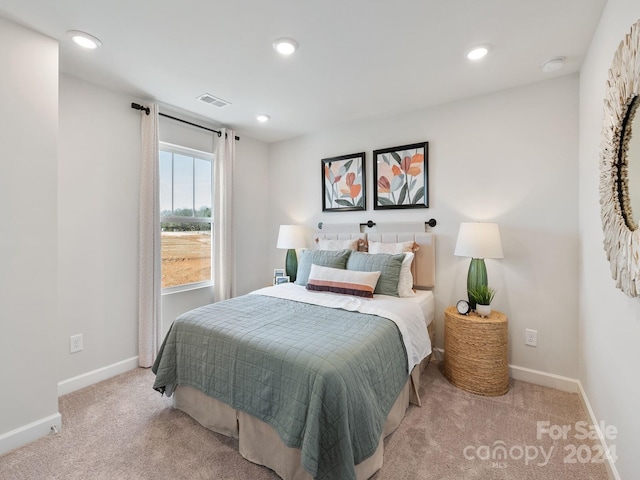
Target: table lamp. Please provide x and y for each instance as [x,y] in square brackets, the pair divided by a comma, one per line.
[291,237]
[478,241]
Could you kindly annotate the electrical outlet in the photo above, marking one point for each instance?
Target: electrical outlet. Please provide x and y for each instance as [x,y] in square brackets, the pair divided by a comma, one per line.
[75,343]
[531,337]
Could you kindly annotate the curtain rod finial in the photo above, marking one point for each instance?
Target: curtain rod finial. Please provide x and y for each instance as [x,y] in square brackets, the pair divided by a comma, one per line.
[137,106]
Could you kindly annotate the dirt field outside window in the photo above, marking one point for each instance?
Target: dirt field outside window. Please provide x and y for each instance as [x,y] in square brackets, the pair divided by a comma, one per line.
[186,258]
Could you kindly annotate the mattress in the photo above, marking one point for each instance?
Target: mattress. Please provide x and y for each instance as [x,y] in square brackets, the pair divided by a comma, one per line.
[426,301]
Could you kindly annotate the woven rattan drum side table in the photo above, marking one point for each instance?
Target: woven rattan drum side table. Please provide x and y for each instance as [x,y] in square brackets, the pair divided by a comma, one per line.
[475,352]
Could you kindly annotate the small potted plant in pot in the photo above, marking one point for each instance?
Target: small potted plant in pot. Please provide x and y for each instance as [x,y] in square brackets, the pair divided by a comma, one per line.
[483,296]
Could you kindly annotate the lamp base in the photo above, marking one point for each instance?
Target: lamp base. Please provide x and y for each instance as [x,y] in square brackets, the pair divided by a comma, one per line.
[477,276]
[291,264]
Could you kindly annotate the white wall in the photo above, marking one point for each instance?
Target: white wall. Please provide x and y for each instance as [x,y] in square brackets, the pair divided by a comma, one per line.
[253,216]
[609,320]
[98,224]
[510,157]
[28,273]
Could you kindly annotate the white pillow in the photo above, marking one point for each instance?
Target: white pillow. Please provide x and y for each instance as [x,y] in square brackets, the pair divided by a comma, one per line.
[405,282]
[393,248]
[326,244]
[336,280]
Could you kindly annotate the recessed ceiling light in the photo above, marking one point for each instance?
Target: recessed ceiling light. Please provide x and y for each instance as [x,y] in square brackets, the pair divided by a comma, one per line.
[285,46]
[553,64]
[476,53]
[262,117]
[84,39]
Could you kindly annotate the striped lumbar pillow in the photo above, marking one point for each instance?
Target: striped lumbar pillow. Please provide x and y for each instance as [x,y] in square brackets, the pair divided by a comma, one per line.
[336,280]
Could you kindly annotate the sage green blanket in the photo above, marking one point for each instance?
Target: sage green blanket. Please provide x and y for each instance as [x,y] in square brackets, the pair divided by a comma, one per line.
[325,379]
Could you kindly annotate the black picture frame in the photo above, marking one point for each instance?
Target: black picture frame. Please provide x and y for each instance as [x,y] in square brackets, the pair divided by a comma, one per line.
[401,177]
[343,183]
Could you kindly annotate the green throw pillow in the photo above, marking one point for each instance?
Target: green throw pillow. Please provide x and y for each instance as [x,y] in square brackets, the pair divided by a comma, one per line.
[389,266]
[324,258]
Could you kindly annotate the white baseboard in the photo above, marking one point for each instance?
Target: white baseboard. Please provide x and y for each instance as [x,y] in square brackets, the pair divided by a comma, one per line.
[95,376]
[612,471]
[28,433]
[45,426]
[551,380]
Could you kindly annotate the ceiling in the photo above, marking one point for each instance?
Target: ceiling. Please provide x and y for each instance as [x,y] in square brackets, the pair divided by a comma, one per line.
[357,59]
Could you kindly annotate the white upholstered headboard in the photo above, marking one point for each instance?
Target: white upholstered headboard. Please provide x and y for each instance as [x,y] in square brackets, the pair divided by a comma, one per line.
[424,264]
[338,236]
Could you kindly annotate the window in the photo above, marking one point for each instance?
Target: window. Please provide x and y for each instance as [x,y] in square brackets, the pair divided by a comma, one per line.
[185,216]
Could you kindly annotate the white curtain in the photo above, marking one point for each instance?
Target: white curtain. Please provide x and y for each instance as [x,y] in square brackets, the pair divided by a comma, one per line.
[149,276]
[223,218]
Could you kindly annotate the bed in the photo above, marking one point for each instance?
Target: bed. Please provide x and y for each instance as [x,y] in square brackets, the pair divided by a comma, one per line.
[309,382]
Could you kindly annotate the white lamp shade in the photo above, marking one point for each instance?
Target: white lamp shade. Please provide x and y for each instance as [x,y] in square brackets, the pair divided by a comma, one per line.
[291,236]
[479,240]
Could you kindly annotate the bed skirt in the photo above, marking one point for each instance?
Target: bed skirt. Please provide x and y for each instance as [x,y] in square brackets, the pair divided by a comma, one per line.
[261,444]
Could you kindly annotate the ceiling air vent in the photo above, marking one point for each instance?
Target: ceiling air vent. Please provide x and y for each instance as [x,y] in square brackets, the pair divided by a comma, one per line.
[215,101]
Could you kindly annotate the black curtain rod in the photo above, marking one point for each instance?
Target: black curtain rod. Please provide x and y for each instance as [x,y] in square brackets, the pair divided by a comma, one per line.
[147,110]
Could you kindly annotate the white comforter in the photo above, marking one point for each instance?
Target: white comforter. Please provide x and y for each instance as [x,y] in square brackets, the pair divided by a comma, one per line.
[405,313]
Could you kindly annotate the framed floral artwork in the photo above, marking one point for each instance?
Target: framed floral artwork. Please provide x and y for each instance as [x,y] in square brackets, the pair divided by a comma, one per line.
[343,182]
[401,177]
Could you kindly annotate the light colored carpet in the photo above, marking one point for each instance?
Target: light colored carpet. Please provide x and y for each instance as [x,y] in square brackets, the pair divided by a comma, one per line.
[122,429]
